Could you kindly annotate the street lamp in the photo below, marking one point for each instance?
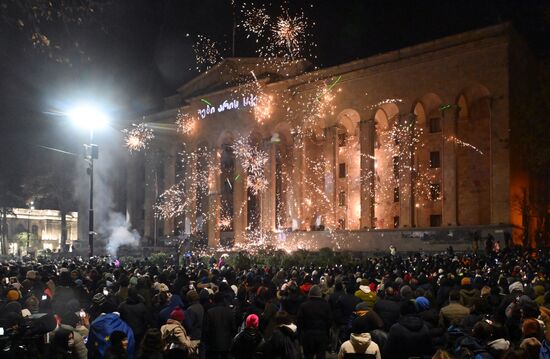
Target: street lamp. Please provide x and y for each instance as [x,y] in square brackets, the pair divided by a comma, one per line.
[31,207]
[90,118]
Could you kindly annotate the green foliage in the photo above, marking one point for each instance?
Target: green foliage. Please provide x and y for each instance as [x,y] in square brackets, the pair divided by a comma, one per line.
[22,238]
[159,258]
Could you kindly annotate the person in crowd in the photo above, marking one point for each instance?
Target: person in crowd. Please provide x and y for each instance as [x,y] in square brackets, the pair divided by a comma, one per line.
[63,345]
[387,307]
[410,336]
[118,346]
[134,312]
[283,344]
[469,296]
[314,322]
[246,343]
[454,312]
[359,343]
[174,336]
[152,346]
[220,329]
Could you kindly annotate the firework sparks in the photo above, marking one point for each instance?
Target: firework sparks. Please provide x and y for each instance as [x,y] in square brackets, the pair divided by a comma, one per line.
[461,143]
[256,20]
[264,108]
[253,161]
[185,123]
[138,138]
[206,52]
[172,202]
[289,33]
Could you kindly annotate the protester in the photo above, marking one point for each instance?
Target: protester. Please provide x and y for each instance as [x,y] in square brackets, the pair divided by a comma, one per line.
[245,345]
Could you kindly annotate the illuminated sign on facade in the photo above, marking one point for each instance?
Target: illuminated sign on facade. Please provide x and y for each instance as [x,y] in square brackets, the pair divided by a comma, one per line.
[226,105]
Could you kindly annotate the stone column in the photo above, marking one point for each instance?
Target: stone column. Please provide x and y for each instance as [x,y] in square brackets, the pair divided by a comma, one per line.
[150,197]
[267,197]
[169,181]
[214,200]
[297,185]
[331,175]
[367,174]
[448,167]
[191,193]
[240,208]
[406,193]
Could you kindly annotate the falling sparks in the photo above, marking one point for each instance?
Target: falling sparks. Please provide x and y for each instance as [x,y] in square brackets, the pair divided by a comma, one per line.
[264,108]
[172,203]
[253,161]
[256,20]
[185,122]
[138,138]
[206,52]
[461,143]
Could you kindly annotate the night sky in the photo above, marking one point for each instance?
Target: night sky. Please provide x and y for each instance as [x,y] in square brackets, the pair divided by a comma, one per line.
[132,53]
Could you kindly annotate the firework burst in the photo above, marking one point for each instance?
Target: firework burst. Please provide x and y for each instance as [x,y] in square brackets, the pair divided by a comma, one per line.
[138,138]
[206,51]
[289,33]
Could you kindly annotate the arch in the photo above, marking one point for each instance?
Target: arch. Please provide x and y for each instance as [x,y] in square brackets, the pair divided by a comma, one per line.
[463,110]
[431,103]
[474,93]
[348,120]
[384,115]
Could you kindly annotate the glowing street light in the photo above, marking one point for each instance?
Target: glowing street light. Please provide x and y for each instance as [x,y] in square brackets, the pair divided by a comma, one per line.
[90,118]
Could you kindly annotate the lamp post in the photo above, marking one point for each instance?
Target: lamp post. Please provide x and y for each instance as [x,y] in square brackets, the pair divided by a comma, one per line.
[90,118]
[31,207]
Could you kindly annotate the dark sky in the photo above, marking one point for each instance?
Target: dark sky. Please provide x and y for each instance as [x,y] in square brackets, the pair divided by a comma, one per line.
[134,52]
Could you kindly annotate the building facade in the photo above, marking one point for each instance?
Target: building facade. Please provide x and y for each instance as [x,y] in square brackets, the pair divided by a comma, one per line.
[403,147]
[36,230]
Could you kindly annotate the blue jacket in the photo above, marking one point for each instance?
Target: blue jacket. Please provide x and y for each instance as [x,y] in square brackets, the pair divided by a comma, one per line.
[101,329]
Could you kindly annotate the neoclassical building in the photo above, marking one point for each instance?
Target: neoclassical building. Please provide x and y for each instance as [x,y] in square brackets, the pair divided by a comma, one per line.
[415,145]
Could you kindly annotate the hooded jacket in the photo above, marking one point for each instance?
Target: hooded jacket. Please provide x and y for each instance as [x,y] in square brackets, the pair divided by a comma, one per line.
[282,344]
[366,295]
[409,337]
[469,297]
[245,344]
[360,344]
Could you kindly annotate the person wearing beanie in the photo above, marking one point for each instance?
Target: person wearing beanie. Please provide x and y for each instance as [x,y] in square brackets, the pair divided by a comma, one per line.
[422,303]
[13,295]
[469,297]
[314,321]
[174,334]
[387,307]
[194,315]
[410,336]
[516,288]
[245,345]
[366,320]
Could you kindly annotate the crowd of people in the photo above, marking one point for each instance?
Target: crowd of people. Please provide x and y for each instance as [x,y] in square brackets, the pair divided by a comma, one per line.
[419,306]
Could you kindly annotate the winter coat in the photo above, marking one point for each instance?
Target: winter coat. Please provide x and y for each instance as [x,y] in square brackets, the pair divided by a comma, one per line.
[345,306]
[367,321]
[220,328]
[359,343]
[194,316]
[366,295]
[388,310]
[245,344]
[498,347]
[80,350]
[470,345]
[314,315]
[135,313]
[407,338]
[283,344]
[174,334]
[469,297]
[452,313]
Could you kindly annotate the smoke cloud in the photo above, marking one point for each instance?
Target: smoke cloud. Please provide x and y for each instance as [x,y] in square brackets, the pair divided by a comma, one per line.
[118,232]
